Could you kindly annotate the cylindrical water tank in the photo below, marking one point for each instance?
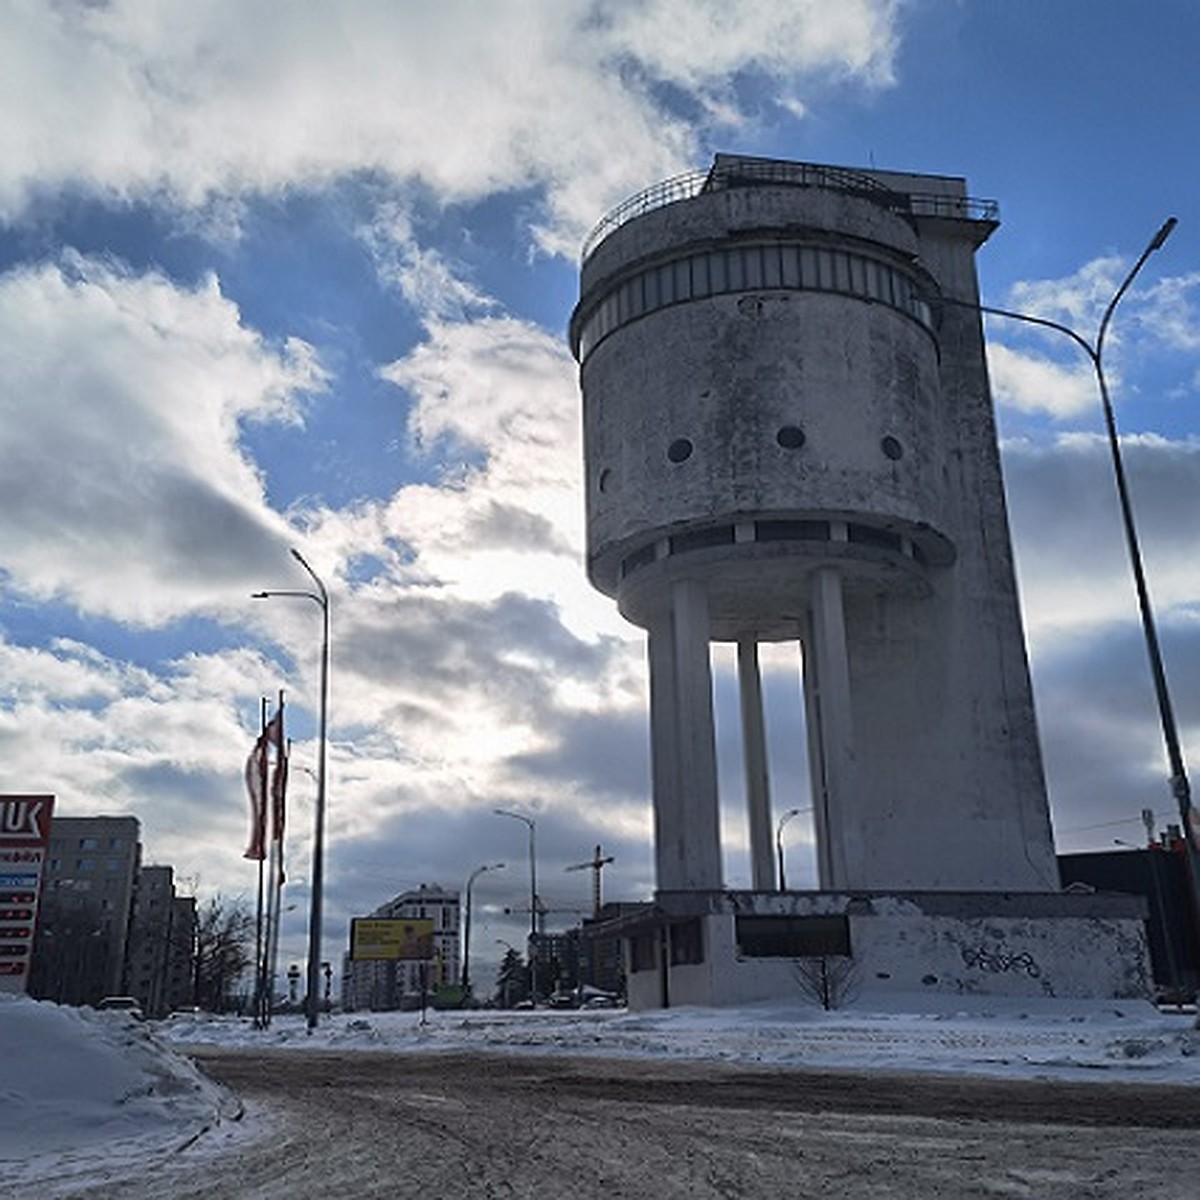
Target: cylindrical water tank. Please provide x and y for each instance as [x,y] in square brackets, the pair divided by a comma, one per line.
[759,369]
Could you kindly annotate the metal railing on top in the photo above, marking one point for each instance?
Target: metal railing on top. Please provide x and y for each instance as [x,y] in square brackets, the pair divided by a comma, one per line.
[731,172]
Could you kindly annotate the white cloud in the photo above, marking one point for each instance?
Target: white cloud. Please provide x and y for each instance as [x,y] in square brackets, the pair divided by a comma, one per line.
[193,102]
[106,736]
[1161,311]
[500,395]
[1170,312]
[121,478]
[1077,301]
[700,44]
[1034,385]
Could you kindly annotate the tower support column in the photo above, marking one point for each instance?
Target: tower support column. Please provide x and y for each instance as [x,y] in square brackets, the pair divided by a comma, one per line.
[683,745]
[830,724]
[754,755]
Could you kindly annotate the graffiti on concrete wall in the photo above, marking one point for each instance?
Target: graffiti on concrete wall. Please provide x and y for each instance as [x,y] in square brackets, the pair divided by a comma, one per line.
[998,961]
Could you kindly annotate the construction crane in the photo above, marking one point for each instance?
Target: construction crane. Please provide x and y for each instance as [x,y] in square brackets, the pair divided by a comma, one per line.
[597,864]
[543,911]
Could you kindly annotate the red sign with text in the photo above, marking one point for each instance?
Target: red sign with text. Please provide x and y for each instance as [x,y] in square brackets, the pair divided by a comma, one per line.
[24,838]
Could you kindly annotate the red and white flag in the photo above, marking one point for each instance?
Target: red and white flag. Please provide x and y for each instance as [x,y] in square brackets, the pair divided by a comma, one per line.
[256,786]
[279,785]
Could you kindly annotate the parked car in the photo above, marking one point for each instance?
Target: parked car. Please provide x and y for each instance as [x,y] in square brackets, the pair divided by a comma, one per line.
[121,1004]
[602,1002]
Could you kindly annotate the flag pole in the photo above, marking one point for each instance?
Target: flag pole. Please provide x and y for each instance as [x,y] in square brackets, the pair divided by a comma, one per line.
[258,922]
[275,898]
[280,877]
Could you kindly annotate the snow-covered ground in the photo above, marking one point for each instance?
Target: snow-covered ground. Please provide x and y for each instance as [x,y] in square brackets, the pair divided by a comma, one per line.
[84,1091]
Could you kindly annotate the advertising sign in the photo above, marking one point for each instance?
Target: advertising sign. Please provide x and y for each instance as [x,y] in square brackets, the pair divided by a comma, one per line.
[24,837]
[388,938]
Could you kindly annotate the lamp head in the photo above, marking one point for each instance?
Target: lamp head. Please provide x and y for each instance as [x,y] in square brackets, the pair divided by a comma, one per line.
[1165,232]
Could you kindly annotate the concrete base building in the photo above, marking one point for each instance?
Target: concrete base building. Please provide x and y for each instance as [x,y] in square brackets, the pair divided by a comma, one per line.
[789,437]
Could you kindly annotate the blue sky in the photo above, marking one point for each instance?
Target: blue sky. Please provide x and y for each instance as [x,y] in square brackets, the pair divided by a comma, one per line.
[277,276]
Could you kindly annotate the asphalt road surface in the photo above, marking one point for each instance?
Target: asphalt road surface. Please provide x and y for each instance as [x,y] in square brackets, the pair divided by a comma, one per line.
[475,1126]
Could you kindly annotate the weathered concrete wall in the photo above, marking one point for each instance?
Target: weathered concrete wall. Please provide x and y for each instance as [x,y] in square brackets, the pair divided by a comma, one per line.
[728,373]
[1049,947]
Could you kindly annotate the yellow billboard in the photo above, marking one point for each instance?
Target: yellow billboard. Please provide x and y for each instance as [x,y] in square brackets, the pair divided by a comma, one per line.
[387,938]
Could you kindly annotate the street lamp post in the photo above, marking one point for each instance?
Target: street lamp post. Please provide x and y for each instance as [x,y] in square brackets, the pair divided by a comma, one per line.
[533,896]
[1180,787]
[466,967]
[787,816]
[312,1001]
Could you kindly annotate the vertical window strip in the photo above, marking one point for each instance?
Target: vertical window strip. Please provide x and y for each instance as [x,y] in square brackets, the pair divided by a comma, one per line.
[754,268]
[683,279]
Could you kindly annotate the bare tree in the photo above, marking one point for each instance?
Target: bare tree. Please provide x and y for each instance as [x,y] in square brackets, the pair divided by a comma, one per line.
[830,980]
[224,938]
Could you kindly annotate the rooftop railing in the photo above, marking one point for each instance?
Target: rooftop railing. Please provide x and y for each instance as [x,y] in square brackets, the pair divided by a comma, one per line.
[732,172]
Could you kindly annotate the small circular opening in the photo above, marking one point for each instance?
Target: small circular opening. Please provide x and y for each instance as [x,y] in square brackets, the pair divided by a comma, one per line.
[891,448]
[790,437]
[680,450]
[605,480]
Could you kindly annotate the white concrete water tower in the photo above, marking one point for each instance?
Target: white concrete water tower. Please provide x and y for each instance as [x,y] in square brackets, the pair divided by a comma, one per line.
[787,438]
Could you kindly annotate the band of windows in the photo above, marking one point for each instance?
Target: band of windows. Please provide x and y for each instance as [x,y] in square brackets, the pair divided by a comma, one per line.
[788,531]
[744,268]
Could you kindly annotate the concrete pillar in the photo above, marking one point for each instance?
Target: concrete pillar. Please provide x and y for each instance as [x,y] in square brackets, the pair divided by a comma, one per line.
[687,837]
[670,822]
[830,725]
[754,757]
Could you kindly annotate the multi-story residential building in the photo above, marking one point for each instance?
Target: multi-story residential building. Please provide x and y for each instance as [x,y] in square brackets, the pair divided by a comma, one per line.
[159,971]
[87,901]
[390,984]
[181,962]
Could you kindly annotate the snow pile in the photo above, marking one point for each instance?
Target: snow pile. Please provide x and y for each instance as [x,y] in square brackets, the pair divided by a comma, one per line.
[78,1085]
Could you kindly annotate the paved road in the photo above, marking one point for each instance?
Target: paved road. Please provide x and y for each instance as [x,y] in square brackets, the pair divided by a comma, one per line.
[483,1126]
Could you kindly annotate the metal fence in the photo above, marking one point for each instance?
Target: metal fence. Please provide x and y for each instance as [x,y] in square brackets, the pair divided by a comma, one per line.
[732,172]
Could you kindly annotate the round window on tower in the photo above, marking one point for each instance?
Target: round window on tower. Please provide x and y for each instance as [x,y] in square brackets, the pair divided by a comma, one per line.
[892,448]
[790,437]
[680,450]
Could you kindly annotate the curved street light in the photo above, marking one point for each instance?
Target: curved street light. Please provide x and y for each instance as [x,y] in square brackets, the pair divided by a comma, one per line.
[1180,787]
[533,895]
[787,816]
[466,966]
[320,597]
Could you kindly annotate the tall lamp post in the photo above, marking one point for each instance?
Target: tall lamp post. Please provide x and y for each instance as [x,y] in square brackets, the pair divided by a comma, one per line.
[1180,787]
[320,597]
[787,816]
[533,896]
[466,967]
